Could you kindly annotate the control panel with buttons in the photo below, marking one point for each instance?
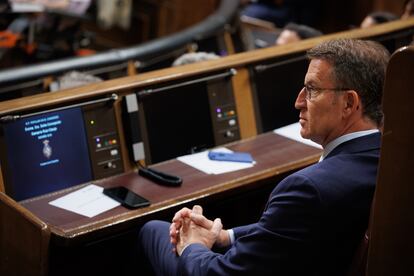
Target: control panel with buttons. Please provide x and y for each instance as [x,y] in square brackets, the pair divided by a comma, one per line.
[103,140]
[223,110]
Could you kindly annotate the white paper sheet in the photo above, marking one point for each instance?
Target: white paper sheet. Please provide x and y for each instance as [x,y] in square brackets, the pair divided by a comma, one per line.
[293,132]
[88,201]
[201,162]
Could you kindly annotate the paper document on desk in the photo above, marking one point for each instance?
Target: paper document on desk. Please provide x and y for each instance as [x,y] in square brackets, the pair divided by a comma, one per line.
[201,162]
[293,132]
[88,201]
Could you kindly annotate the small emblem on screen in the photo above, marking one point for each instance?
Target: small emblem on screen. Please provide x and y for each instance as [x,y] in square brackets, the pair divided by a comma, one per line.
[47,149]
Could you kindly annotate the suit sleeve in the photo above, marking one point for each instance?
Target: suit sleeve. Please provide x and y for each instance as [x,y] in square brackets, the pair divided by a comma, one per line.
[243,230]
[270,245]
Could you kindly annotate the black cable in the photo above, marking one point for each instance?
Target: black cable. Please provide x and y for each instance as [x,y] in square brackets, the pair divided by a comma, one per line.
[159,177]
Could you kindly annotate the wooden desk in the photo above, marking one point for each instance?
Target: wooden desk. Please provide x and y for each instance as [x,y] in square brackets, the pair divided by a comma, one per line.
[274,154]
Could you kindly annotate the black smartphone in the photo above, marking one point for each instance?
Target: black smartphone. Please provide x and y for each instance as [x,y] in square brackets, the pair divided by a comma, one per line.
[126,197]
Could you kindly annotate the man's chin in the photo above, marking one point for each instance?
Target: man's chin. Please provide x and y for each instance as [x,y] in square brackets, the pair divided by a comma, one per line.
[304,133]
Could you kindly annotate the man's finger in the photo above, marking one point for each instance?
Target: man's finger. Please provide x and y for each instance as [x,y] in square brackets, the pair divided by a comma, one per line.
[217,226]
[197,209]
[185,212]
[201,220]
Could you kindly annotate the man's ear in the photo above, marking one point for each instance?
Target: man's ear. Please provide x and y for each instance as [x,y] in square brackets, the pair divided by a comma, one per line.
[352,102]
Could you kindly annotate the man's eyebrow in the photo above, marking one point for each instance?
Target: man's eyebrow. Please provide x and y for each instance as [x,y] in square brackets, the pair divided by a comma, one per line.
[309,83]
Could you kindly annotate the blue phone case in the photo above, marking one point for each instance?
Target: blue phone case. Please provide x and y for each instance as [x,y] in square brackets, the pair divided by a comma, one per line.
[231,156]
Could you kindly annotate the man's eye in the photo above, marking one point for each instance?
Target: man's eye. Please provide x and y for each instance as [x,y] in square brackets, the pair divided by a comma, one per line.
[310,89]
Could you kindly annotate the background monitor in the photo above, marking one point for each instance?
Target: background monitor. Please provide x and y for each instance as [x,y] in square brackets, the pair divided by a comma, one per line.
[45,153]
[177,122]
[187,116]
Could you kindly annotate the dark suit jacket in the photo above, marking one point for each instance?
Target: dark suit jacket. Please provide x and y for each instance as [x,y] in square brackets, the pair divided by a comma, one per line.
[313,221]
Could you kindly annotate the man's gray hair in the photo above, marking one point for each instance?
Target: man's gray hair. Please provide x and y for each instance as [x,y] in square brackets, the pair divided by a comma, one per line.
[359,65]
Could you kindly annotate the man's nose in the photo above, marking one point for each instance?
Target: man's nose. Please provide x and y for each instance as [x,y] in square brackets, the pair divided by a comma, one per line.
[300,100]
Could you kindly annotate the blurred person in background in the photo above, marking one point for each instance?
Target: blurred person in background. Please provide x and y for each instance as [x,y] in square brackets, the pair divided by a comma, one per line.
[293,32]
[408,9]
[378,17]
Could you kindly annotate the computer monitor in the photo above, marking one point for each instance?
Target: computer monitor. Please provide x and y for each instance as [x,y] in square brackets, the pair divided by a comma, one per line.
[187,116]
[55,149]
[45,153]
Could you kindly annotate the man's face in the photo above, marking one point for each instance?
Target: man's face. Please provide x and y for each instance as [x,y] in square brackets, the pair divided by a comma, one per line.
[320,116]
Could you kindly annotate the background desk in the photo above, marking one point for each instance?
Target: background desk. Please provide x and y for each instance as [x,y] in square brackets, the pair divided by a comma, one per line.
[225,195]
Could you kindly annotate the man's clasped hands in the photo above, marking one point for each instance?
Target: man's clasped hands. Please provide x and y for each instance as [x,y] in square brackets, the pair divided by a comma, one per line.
[191,226]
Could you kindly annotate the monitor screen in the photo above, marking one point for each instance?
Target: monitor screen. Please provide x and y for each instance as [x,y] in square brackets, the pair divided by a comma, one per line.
[177,121]
[45,153]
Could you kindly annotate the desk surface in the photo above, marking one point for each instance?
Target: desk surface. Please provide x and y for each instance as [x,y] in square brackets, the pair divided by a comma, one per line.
[274,155]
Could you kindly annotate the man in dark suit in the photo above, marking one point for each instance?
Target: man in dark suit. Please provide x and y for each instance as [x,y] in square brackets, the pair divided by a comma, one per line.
[315,217]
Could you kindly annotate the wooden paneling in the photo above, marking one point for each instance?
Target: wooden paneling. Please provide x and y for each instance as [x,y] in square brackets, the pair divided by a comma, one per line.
[24,240]
[392,244]
[151,19]
[128,165]
[244,103]
[176,15]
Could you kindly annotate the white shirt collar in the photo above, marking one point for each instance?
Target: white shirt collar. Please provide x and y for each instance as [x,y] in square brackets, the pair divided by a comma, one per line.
[336,142]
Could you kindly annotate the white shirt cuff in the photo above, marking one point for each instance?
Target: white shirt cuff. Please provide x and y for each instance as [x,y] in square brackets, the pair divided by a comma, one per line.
[179,253]
[230,232]
[231,235]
